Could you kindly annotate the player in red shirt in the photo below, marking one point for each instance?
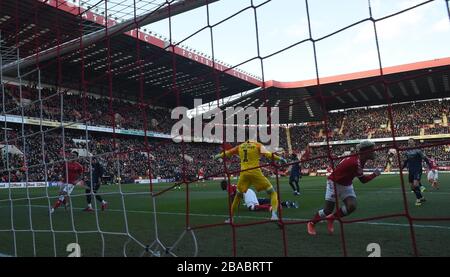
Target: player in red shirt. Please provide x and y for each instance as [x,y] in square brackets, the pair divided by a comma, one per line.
[342,177]
[72,177]
[433,175]
[329,170]
[251,201]
[201,174]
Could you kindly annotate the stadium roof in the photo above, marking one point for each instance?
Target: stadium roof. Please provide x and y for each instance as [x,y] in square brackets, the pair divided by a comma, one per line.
[195,77]
[33,29]
[301,101]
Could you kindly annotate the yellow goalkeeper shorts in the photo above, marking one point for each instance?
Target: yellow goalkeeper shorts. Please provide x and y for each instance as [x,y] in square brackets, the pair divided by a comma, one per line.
[257,179]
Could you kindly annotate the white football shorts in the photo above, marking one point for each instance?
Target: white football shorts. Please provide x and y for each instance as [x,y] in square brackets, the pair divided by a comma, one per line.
[433,175]
[343,191]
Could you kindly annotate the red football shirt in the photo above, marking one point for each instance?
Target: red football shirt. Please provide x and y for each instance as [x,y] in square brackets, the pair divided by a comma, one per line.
[433,164]
[232,191]
[201,172]
[347,170]
[74,170]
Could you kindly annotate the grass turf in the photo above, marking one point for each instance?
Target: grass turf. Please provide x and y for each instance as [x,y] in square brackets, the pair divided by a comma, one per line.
[129,223]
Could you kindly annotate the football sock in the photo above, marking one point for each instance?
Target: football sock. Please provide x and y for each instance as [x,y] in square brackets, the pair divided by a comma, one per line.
[293,186]
[99,198]
[236,201]
[320,215]
[417,192]
[274,201]
[264,207]
[343,212]
[57,204]
[88,196]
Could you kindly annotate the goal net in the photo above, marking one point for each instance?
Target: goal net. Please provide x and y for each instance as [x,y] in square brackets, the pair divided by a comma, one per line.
[90,162]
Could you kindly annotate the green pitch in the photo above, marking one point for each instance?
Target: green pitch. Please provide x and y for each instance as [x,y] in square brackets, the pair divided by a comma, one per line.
[131,212]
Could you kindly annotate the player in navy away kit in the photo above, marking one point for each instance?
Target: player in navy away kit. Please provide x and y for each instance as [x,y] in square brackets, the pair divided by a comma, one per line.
[94,185]
[414,160]
[342,178]
[295,174]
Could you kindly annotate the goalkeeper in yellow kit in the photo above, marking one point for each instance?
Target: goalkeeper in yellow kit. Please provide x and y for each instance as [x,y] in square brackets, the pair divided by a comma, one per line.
[249,153]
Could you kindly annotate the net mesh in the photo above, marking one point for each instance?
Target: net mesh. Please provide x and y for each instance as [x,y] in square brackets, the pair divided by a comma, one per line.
[66,70]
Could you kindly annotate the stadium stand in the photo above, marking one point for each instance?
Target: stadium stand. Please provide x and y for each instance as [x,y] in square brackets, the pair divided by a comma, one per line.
[112,97]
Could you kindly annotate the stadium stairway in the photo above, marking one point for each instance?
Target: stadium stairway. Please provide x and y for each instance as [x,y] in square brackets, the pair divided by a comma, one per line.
[288,139]
[444,120]
[342,125]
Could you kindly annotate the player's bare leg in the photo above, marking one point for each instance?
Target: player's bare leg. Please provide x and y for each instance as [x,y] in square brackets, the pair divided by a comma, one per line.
[319,216]
[60,201]
[63,198]
[327,213]
[66,201]
[348,208]
[434,183]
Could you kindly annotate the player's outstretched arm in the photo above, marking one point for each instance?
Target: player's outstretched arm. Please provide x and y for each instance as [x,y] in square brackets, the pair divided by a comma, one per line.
[275,157]
[367,178]
[228,153]
[81,183]
[425,158]
[263,151]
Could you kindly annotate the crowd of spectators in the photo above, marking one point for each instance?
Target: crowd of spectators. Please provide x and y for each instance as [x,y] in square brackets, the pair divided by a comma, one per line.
[40,155]
[131,157]
[86,108]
